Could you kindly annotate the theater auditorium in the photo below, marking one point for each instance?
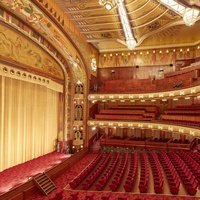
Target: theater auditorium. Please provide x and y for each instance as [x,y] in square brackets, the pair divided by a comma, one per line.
[99,100]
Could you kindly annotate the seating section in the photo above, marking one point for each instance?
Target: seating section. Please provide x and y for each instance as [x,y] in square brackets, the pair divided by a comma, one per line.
[173,80]
[191,163]
[131,173]
[89,196]
[127,112]
[73,196]
[170,172]
[75,182]
[189,180]
[157,172]
[104,178]
[144,172]
[120,171]
[195,156]
[178,167]
[189,115]
[95,174]
[105,196]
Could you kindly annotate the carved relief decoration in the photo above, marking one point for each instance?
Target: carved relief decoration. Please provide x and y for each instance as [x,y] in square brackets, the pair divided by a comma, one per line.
[19,49]
[28,11]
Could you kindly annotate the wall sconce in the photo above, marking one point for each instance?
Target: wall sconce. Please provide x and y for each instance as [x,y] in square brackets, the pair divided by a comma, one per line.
[112,71]
[108,4]
[190,16]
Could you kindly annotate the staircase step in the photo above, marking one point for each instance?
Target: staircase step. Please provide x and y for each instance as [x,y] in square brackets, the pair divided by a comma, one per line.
[44,184]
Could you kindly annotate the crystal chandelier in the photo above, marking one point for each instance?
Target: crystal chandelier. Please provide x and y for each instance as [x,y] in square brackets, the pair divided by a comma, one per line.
[190,16]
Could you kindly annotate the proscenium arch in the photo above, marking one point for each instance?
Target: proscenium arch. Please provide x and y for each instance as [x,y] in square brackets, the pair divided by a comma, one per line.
[17,65]
[58,39]
[63,69]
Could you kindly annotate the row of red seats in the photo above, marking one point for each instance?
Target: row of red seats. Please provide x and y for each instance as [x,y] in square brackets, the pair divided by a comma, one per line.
[144,172]
[86,184]
[73,196]
[195,156]
[58,196]
[119,173]
[170,172]
[76,181]
[88,196]
[180,119]
[189,180]
[99,185]
[132,172]
[191,163]
[190,107]
[157,172]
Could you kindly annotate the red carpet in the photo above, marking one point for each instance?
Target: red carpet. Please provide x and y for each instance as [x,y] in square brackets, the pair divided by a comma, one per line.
[19,174]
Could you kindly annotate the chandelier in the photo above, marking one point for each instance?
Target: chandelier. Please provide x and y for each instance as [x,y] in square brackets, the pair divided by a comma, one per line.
[131,43]
[190,16]
[109,4]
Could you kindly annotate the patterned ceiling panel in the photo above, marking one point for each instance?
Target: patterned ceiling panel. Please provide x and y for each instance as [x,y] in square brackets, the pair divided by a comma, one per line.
[152,23]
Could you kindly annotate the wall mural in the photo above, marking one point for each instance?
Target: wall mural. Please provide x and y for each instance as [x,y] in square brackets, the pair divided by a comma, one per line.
[145,58]
[26,10]
[19,49]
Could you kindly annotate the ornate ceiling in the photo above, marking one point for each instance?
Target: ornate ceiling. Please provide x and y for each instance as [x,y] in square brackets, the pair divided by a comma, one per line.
[153,24]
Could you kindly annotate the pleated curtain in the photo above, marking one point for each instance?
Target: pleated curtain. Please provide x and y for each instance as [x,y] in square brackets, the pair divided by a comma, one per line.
[28,121]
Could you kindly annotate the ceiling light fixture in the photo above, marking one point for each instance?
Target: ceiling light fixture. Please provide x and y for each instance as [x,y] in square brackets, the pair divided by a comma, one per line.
[130,41]
[190,16]
[108,4]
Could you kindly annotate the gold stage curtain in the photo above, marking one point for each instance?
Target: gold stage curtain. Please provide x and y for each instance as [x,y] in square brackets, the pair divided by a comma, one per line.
[28,121]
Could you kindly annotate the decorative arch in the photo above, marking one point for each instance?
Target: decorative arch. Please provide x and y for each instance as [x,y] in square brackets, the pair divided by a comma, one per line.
[50,38]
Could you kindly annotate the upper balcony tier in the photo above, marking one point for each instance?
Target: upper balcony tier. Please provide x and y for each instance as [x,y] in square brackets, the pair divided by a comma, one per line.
[187,77]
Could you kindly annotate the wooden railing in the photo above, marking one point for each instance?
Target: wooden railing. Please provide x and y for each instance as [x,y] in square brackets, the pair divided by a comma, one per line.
[182,118]
[93,110]
[146,144]
[124,117]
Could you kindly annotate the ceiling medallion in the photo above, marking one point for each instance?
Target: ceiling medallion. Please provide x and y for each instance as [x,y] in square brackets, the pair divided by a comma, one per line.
[106,35]
[154,25]
[91,21]
[82,6]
